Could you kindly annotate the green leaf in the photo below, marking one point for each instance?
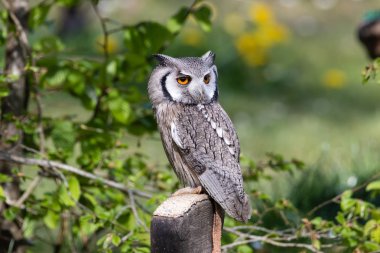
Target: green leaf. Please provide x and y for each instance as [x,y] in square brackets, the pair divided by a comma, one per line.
[88,225]
[64,197]
[116,240]
[37,15]
[112,68]
[347,194]
[74,188]
[346,204]
[316,244]
[375,234]
[4,91]
[244,249]
[57,78]
[68,3]
[48,44]
[371,247]
[317,221]
[203,17]
[2,194]
[120,108]
[5,178]
[11,213]
[91,199]
[146,38]
[375,214]
[4,15]
[340,218]
[369,226]
[29,225]
[176,22]
[373,186]
[63,136]
[51,219]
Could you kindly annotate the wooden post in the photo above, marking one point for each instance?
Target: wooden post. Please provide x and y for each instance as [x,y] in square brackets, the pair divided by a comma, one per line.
[183,224]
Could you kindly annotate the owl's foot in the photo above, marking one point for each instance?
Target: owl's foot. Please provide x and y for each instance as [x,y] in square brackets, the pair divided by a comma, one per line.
[188,190]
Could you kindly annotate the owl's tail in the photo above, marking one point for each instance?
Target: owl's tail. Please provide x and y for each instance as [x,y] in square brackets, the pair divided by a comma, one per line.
[237,208]
[229,196]
[246,209]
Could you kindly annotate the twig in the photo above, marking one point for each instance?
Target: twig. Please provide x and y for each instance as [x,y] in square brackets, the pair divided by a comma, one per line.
[26,194]
[134,211]
[53,164]
[104,44]
[126,237]
[264,239]
[123,239]
[262,229]
[104,30]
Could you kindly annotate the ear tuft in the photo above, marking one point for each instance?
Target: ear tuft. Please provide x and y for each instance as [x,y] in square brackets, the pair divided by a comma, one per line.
[209,58]
[164,59]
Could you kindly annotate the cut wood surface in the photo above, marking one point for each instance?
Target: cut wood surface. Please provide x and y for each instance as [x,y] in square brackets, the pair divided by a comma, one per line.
[183,224]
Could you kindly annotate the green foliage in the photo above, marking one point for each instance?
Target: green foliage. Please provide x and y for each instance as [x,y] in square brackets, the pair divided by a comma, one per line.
[371,72]
[373,186]
[203,16]
[274,163]
[112,90]
[110,87]
[37,15]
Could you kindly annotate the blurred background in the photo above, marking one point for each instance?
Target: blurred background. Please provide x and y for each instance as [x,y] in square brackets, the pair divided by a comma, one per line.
[289,77]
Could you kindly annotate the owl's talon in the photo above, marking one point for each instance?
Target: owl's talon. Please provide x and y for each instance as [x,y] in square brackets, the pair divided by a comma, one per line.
[188,190]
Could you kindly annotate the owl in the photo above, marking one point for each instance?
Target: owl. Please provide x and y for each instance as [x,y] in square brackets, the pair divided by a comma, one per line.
[198,136]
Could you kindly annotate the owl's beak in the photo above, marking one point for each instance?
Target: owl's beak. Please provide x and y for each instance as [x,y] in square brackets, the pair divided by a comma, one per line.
[198,93]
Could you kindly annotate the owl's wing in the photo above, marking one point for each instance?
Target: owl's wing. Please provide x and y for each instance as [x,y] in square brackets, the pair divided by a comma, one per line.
[208,144]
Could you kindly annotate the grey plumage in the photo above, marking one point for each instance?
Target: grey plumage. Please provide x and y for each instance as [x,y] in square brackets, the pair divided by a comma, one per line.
[197,134]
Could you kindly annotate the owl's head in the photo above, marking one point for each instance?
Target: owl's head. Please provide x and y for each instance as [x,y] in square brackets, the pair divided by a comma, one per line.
[188,80]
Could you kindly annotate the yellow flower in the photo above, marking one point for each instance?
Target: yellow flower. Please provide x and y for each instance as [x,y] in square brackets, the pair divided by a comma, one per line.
[254,46]
[111,46]
[234,24]
[250,48]
[276,33]
[261,13]
[334,79]
[191,36]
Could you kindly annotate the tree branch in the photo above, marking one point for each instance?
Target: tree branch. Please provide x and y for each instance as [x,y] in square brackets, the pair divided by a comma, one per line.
[275,242]
[20,29]
[134,210]
[19,203]
[53,164]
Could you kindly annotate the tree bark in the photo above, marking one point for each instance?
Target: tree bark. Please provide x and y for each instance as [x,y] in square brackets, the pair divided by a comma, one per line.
[13,107]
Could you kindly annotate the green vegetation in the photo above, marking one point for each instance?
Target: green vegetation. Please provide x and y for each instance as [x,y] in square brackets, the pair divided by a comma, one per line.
[291,83]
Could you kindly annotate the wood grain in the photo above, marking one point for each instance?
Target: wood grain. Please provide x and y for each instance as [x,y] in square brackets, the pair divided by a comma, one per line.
[183,224]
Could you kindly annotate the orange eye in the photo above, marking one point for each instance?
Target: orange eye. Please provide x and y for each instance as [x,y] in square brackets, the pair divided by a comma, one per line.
[206,79]
[183,80]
